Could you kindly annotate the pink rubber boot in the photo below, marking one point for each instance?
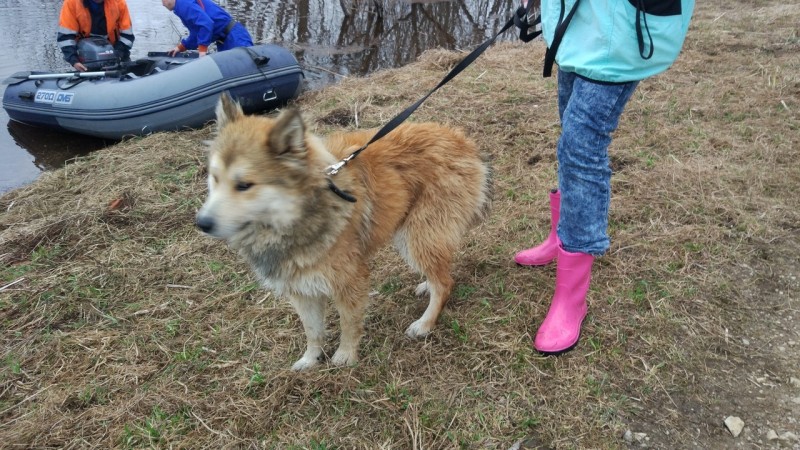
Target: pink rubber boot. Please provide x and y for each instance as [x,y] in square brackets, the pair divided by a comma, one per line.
[562,326]
[545,252]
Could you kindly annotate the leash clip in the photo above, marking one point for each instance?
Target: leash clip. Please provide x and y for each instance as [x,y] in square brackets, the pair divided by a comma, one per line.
[333,169]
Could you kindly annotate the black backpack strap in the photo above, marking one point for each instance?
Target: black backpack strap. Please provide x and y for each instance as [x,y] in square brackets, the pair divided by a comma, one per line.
[521,21]
[641,15]
[550,54]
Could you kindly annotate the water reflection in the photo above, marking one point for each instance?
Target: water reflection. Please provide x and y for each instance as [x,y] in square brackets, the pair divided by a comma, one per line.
[50,149]
[357,37]
[331,39]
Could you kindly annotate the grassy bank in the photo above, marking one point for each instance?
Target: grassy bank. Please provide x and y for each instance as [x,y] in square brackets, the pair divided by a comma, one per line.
[122,326]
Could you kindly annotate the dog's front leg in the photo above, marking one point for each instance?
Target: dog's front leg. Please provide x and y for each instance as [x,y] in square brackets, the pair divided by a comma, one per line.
[312,313]
[351,304]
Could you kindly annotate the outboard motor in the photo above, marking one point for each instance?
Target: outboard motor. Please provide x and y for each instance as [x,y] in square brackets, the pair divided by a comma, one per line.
[95,52]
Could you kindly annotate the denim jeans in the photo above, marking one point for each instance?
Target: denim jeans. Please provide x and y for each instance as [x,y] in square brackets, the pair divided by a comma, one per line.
[589,113]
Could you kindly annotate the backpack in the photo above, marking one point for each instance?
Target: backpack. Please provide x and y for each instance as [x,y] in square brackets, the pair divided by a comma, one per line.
[614,40]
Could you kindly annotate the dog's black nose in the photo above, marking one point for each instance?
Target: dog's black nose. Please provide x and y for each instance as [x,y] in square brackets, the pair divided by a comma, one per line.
[206,224]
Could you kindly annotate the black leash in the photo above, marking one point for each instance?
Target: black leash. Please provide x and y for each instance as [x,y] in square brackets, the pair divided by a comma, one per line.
[519,19]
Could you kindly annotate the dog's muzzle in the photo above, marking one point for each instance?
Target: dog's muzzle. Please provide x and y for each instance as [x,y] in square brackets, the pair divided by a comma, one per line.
[205,224]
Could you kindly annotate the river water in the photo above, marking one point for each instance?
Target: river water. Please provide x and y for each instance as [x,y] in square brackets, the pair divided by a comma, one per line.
[330,38]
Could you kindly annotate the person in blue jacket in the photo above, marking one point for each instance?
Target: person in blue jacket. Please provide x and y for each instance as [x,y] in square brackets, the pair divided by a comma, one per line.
[207,23]
[603,49]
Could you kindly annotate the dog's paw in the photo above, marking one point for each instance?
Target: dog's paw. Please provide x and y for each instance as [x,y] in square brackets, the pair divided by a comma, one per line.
[305,363]
[344,358]
[419,329]
[310,359]
[421,289]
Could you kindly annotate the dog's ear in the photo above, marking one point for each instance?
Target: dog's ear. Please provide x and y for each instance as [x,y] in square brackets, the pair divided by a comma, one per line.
[287,137]
[228,110]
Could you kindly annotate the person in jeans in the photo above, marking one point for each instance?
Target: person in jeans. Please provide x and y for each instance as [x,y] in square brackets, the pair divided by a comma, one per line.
[207,23]
[603,49]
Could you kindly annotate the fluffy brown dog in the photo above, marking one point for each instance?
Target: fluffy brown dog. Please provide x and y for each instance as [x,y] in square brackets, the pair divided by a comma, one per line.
[424,185]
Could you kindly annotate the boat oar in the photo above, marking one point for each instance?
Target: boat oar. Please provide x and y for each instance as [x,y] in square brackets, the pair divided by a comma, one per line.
[23,76]
[185,55]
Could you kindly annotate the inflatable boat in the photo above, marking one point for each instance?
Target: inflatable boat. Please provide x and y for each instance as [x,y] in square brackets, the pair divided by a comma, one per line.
[157,93]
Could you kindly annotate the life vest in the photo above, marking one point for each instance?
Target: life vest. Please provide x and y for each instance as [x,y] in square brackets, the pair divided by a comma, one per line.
[616,40]
[76,19]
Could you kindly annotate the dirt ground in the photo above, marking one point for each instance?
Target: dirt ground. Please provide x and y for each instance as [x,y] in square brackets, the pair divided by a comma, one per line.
[123,327]
[751,371]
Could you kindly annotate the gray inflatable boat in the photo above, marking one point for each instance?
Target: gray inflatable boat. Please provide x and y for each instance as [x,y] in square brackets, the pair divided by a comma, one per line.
[157,93]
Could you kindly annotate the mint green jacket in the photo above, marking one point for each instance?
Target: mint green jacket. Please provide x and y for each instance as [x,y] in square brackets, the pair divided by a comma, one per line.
[600,42]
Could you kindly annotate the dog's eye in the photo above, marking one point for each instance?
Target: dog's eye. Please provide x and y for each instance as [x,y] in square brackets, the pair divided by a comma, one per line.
[243,186]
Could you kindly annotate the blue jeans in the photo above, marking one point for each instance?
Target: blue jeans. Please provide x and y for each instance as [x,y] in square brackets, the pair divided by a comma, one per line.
[589,113]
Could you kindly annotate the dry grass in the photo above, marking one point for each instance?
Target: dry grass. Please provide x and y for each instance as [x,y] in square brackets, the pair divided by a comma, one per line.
[123,327]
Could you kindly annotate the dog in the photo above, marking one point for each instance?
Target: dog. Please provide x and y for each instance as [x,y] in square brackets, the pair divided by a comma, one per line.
[271,199]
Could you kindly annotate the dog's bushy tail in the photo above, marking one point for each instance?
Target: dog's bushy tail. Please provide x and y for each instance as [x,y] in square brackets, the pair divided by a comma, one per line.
[485,207]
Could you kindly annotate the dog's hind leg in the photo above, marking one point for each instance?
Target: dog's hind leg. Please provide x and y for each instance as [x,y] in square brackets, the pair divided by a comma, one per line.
[431,256]
[439,293]
[312,313]
[351,302]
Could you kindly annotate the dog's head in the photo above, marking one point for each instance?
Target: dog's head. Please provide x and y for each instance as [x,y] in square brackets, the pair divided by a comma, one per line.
[257,172]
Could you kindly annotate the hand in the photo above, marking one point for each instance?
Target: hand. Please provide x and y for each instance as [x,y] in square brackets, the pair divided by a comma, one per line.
[202,54]
[174,51]
[79,67]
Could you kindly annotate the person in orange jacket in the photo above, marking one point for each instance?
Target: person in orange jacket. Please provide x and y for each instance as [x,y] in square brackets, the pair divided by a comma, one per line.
[106,18]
